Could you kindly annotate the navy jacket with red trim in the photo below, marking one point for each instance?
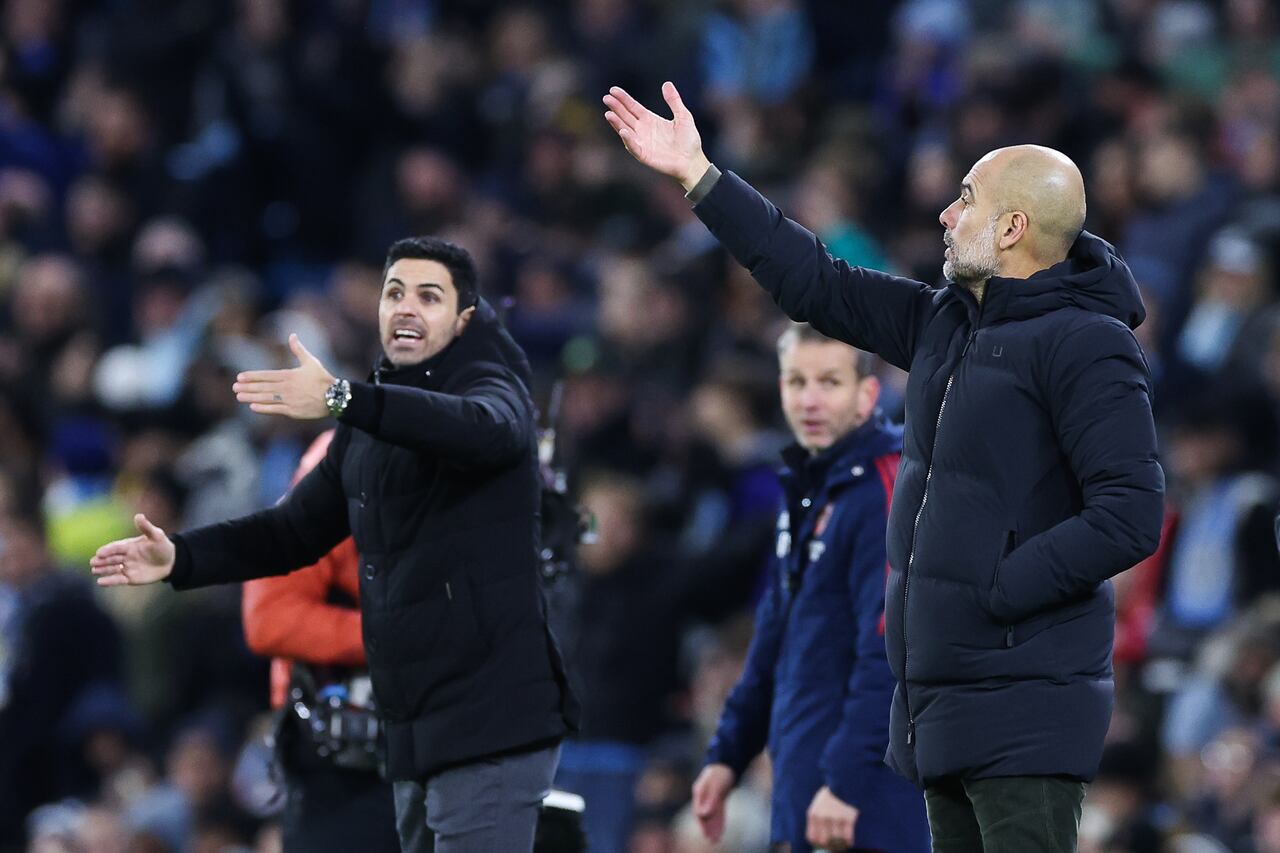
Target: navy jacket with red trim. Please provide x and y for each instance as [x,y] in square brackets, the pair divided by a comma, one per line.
[817,685]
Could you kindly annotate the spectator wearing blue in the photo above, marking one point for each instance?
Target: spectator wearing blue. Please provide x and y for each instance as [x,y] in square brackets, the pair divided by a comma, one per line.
[817,686]
[1029,474]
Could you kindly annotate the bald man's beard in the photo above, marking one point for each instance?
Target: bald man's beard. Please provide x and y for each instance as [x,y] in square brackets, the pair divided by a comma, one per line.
[975,260]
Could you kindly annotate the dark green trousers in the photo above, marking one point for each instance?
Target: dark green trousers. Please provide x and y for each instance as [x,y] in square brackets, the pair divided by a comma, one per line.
[1015,814]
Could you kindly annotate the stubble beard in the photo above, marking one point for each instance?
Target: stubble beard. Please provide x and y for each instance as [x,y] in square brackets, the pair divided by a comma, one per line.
[975,260]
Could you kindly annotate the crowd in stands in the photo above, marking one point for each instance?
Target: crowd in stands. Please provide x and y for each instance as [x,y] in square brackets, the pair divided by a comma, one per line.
[183,183]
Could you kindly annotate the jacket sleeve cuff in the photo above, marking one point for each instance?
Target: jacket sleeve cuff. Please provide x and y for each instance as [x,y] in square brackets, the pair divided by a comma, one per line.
[180,577]
[848,787]
[716,754]
[704,185]
[364,412]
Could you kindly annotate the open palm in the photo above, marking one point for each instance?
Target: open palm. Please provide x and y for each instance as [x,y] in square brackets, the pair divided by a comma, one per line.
[139,560]
[670,146]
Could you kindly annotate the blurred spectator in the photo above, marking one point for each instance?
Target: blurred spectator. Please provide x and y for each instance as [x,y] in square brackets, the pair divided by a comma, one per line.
[756,49]
[1234,287]
[57,643]
[1223,693]
[1223,555]
[635,597]
[1119,813]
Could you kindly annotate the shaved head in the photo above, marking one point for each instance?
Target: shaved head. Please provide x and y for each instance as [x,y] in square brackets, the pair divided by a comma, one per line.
[1020,210]
[1047,186]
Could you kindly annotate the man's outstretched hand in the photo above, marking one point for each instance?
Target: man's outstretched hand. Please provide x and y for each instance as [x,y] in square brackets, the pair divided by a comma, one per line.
[296,393]
[132,562]
[670,146]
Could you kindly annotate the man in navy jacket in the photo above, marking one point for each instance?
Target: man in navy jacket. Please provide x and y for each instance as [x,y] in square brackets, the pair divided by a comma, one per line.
[817,686]
[1028,479]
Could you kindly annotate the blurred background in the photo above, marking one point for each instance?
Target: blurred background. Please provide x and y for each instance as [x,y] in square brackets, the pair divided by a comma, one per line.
[185,182]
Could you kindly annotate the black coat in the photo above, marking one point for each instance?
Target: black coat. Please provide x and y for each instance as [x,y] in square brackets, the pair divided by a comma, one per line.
[1029,478]
[433,470]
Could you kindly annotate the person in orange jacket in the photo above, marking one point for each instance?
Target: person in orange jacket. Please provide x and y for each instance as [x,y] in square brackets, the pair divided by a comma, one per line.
[312,616]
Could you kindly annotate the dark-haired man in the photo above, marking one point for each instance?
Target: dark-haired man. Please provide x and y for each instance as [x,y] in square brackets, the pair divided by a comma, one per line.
[433,471]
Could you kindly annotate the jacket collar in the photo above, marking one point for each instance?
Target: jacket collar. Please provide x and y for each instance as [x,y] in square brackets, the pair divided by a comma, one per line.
[845,460]
[1093,277]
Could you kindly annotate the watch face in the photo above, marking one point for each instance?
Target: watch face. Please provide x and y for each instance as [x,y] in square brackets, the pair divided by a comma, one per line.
[337,396]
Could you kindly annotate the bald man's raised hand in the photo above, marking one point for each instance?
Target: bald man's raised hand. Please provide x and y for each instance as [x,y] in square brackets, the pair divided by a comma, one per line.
[143,559]
[670,146]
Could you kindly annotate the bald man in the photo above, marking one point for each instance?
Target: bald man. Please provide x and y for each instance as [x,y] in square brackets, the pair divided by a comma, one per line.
[1028,475]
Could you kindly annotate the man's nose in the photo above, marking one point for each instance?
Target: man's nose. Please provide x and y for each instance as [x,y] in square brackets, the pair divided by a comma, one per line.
[946,217]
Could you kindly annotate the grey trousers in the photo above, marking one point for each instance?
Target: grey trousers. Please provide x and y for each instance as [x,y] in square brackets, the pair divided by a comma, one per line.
[490,806]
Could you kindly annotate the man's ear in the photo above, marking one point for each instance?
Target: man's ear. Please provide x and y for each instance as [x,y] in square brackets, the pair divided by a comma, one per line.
[868,396]
[1013,230]
[464,318]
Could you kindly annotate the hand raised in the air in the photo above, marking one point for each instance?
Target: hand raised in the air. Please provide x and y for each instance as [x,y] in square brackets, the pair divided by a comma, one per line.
[143,559]
[670,146]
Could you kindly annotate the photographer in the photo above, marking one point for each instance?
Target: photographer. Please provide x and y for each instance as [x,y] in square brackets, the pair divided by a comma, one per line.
[309,621]
[433,471]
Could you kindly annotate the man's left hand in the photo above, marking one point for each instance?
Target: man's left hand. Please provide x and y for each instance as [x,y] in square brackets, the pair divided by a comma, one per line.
[831,821]
[295,393]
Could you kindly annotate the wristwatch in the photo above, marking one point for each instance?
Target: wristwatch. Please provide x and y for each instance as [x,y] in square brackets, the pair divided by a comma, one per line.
[337,397]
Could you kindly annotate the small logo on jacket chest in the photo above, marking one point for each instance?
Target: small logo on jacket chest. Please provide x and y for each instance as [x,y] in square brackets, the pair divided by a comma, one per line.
[783,547]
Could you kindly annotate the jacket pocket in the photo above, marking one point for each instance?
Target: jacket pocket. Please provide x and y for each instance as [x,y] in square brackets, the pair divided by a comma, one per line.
[1034,626]
[1010,543]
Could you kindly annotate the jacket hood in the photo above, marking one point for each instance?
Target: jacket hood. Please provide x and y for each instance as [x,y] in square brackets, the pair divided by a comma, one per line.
[484,340]
[1093,277]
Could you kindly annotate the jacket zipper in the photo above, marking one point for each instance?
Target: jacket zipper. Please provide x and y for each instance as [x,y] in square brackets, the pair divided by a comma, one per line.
[915,528]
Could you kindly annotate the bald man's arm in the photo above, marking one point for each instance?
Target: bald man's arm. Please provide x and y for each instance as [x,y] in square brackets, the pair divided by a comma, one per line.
[1100,402]
[871,310]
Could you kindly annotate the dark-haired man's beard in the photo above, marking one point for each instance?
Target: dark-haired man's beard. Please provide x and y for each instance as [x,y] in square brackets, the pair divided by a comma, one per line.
[973,261]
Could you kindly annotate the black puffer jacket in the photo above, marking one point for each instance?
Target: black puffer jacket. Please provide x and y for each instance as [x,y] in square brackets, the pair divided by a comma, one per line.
[1028,479]
[433,470]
